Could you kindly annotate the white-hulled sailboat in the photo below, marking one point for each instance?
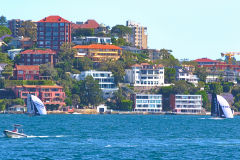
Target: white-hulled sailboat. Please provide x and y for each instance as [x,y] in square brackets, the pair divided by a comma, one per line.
[220,107]
[35,106]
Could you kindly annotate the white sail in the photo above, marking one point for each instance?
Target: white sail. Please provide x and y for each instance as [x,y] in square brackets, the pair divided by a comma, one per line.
[39,105]
[30,108]
[35,106]
[225,107]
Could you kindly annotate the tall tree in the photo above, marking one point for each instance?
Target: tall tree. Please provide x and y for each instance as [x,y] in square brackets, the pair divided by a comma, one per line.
[169,75]
[4,31]
[82,32]
[201,73]
[121,30]
[90,94]
[83,64]
[48,70]
[3,21]
[28,29]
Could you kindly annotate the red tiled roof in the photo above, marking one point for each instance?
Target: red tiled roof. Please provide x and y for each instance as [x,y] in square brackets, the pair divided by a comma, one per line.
[54,19]
[136,65]
[205,60]
[27,67]
[38,51]
[145,64]
[88,24]
[97,46]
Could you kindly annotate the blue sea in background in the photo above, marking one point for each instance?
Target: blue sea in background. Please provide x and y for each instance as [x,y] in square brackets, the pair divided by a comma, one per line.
[121,137]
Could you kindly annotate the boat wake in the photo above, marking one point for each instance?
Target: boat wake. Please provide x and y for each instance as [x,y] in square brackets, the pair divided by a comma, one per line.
[57,136]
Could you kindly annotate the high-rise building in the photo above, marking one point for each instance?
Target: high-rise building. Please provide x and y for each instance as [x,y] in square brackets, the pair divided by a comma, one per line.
[14,25]
[138,37]
[52,32]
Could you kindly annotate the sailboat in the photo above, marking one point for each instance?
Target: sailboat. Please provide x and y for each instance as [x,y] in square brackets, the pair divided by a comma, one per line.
[220,107]
[35,106]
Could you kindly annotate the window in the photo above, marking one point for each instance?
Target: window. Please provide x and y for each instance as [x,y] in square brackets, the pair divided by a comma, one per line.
[20,72]
[61,24]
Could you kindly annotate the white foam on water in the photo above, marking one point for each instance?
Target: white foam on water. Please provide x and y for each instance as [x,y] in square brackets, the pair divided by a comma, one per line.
[108,146]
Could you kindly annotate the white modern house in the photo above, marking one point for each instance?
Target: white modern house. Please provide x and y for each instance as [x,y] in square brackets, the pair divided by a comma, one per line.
[147,102]
[91,40]
[184,75]
[189,104]
[145,75]
[105,79]
[13,52]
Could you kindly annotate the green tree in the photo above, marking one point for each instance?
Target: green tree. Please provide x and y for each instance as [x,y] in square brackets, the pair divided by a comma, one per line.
[119,42]
[90,94]
[183,87]
[166,92]
[121,30]
[201,73]
[205,100]
[4,31]
[169,75]
[2,83]
[126,105]
[215,87]
[83,32]
[3,21]
[48,70]
[83,64]
[28,29]
[76,101]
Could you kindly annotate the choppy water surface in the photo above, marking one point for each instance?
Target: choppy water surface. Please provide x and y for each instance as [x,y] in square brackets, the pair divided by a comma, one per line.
[121,137]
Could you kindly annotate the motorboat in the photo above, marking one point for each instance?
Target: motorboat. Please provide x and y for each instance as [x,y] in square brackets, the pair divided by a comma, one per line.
[15,133]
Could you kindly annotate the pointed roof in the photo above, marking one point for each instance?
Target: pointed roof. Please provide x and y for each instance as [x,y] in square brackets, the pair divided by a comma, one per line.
[91,23]
[39,51]
[205,60]
[54,19]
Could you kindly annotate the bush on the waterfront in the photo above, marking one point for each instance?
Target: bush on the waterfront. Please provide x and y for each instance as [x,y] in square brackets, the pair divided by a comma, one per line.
[6,103]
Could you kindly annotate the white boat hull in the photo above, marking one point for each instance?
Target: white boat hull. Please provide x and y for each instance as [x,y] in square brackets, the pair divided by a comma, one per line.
[11,134]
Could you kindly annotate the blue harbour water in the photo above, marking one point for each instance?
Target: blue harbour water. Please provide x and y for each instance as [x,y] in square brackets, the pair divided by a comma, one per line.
[121,137]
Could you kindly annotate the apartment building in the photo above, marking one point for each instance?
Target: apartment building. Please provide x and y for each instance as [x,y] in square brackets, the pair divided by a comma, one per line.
[26,72]
[38,57]
[104,78]
[14,26]
[145,75]
[98,52]
[52,32]
[147,102]
[191,104]
[138,37]
[50,95]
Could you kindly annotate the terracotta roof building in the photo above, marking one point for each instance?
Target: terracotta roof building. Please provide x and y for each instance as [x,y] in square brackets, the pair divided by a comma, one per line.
[99,52]
[52,32]
[22,72]
[38,56]
[50,95]
[89,24]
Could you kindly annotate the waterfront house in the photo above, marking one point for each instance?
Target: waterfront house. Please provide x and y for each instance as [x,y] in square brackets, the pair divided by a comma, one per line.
[50,95]
[145,75]
[189,104]
[104,78]
[99,52]
[147,102]
[38,57]
[26,72]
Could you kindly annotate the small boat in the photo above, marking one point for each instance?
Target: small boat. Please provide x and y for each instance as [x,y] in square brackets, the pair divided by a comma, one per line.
[220,107]
[35,106]
[15,133]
